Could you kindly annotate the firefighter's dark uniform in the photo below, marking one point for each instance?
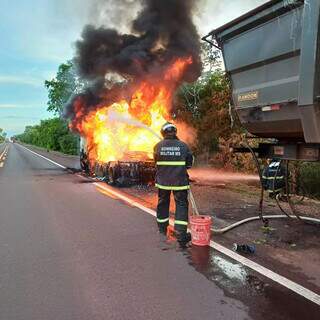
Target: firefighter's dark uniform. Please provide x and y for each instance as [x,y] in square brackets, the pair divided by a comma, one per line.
[274,177]
[173,157]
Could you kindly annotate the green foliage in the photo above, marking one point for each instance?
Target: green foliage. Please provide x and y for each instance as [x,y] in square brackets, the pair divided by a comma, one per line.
[211,57]
[204,105]
[54,134]
[69,144]
[3,135]
[51,134]
[62,87]
[309,178]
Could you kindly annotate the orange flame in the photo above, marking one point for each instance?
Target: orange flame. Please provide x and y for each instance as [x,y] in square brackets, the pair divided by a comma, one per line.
[112,132]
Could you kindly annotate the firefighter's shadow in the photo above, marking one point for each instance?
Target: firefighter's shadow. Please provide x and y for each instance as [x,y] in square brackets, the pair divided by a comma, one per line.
[84,181]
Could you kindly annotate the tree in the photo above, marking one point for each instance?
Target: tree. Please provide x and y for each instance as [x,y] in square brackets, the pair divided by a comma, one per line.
[3,135]
[51,134]
[62,87]
[54,134]
[205,106]
[211,58]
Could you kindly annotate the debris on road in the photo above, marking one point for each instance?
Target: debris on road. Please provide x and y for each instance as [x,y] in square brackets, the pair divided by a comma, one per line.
[244,248]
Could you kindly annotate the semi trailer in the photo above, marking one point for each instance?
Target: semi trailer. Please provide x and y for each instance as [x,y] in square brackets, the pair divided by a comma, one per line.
[272,57]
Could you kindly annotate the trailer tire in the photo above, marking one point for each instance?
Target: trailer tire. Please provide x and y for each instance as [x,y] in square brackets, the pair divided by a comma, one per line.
[111,177]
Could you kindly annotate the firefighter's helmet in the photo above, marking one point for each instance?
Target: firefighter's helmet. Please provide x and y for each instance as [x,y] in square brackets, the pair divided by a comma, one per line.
[168,129]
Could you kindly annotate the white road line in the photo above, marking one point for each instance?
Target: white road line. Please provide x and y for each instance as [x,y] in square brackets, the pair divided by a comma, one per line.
[295,287]
[4,152]
[1,164]
[43,157]
[302,291]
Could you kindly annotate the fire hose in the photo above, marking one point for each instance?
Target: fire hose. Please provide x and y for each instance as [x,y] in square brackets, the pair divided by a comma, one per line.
[267,217]
[241,222]
[264,218]
[193,203]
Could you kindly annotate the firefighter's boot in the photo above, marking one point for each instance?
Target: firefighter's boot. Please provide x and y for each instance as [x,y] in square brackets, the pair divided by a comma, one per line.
[183,238]
[163,228]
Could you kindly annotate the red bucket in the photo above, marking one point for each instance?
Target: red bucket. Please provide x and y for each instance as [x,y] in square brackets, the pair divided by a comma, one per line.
[201,230]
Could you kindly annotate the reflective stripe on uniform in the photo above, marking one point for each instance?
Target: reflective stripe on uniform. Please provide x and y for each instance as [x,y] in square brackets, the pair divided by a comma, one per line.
[171,163]
[276,190]
[274,164]
[162,220]
[177,188]
[181,223]
[272,178]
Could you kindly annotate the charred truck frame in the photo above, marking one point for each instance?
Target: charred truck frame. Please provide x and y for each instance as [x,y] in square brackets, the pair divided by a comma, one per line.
[134,169]
[272,56]
[126,172]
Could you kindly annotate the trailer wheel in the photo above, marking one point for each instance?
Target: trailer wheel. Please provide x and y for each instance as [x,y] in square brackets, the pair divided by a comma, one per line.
[111,176]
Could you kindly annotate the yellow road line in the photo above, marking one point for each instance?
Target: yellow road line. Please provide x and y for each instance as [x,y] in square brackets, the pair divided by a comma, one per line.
[3,153]
[3,156]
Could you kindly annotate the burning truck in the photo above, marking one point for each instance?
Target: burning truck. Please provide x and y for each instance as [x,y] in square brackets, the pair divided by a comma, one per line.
[133,168]
[119,121]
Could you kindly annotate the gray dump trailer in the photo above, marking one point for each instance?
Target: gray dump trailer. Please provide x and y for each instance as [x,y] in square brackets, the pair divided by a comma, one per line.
[272,55]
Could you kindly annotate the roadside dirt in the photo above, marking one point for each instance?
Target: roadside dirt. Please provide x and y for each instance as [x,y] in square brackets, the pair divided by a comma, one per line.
[289,246]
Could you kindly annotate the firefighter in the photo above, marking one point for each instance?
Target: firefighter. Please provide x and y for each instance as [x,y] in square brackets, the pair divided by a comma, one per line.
[173,157]
[274,178]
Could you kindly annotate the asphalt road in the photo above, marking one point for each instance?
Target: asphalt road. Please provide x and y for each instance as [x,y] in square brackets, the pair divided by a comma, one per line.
[68,251]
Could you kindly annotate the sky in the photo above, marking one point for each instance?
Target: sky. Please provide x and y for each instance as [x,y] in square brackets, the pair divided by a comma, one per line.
[37,36]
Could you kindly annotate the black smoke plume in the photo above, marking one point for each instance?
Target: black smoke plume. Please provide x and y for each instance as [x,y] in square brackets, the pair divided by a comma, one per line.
[162,32]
